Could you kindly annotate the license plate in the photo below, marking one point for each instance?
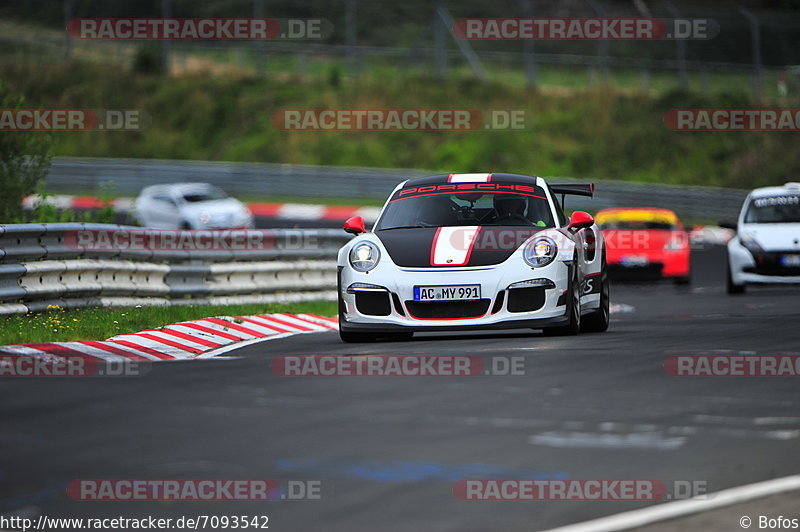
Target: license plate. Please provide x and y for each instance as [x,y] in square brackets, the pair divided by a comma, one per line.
[633,261]
[791,261]
[447,293]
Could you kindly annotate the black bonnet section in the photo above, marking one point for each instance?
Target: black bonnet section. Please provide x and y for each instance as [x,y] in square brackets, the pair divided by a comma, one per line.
[413,248]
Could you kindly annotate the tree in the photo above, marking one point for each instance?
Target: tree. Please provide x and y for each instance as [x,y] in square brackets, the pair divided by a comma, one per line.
[24,161]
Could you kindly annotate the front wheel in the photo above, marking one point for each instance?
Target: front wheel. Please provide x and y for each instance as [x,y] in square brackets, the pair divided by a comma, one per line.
[573,307]
[733,288]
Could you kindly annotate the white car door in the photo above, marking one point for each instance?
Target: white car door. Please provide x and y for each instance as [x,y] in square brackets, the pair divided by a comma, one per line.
[164,212]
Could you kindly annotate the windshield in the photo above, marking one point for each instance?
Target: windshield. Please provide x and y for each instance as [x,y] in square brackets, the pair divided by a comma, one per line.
[637,225]
[774,210]
[526,209]
[203,194]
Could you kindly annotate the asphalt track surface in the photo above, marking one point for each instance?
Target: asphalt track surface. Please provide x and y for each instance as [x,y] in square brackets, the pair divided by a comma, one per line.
[388,450]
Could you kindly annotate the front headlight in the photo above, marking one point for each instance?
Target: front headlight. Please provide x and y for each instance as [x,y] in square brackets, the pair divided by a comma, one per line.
[749,241]
[540,252]
[364,256]
[675,243]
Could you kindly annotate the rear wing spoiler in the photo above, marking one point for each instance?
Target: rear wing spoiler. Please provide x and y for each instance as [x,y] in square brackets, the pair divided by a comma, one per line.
[575,190]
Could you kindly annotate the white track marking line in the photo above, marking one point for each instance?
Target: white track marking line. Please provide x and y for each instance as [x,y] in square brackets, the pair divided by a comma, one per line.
[260,329]
[155,345]
[24,350]
[606,440]
[330,323]
[267,323]
[300,322]
[178,340]
[209,335]
[671,510]
[93,351]
[131,350]
[221,350]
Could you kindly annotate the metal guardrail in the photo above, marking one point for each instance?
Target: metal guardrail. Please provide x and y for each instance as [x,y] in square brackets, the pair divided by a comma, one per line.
[129,176]
[51,264]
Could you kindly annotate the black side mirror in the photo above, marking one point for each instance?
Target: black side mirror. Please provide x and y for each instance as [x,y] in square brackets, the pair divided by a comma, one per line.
[727,224]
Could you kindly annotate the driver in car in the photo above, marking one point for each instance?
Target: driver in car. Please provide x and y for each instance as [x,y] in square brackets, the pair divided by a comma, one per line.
[510,209]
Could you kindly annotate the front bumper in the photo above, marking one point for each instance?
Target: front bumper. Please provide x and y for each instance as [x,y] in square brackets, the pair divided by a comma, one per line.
[764,268]
[659,265]
[495,309]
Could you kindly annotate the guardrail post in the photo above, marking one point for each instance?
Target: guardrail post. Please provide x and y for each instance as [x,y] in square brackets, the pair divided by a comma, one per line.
[683,79]
[10,288]
[755,39]
[351,36]
[166,45]
[67,36]
[529,49]
[603,45]
[440,46]
[466,50]
[259,46]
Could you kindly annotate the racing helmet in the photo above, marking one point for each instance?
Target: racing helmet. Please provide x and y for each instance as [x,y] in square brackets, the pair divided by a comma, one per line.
[506,204]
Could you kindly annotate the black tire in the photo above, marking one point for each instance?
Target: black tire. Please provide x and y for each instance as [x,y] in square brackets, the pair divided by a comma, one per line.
[573,308]
[683,281]
[733,289]
[598,320]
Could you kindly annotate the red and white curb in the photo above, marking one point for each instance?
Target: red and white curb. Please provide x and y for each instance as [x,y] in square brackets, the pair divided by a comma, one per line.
[290,211]
[185,340]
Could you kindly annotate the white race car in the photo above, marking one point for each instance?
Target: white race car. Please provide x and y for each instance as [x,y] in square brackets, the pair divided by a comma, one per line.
[766,248]
[190,206]
[473,251]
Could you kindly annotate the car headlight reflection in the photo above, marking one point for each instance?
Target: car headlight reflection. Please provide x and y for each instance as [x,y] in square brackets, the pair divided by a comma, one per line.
[364,256]
[540,252]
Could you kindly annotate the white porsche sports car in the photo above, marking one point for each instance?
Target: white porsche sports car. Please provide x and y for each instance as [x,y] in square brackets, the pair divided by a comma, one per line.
[766,248]
[473,251]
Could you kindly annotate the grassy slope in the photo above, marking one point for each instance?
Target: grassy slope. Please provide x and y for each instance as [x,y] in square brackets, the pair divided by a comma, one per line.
[59,325]
[588,133]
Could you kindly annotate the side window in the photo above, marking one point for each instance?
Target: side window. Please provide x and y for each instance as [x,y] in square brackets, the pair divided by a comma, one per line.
[165,198]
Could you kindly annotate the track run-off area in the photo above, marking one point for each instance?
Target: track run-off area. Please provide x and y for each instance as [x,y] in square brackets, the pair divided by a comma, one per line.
[388,451]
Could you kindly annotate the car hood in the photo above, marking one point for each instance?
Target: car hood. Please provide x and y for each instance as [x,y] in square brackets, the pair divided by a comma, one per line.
[427,247]
[775,237]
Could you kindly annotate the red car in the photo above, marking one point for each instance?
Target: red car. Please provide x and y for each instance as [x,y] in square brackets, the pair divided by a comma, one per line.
[645,243]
